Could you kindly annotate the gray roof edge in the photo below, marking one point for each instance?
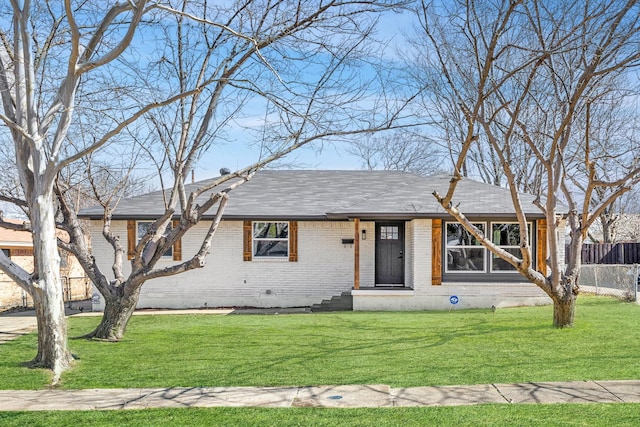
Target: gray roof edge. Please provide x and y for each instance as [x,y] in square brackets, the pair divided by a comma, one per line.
[434,215]
[122,217]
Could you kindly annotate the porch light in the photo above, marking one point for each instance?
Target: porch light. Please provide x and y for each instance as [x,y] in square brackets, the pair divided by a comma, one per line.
[364,234]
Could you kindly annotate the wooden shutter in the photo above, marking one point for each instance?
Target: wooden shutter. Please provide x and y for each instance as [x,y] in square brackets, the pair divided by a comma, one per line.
[131,238]
[246,238]
[177,245]
[436,252]
[541,246]
[293,241]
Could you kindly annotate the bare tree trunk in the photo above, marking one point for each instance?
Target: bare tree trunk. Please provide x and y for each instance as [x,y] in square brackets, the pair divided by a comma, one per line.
[47,294]
[115,318]
[564,310]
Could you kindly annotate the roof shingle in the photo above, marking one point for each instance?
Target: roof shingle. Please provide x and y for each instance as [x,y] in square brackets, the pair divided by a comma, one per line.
[338,194]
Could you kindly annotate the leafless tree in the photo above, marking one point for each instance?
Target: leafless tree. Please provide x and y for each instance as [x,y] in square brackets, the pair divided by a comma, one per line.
[45,55]
[523,74]
[614,141]
[297,62]
[403,150]
[61,62]
[620,221]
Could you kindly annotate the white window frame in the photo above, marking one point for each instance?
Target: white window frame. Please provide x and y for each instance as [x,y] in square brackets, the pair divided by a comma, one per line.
[517,246]
[488,255]
[255,239]
[166,255]
[389,232]
[475,247]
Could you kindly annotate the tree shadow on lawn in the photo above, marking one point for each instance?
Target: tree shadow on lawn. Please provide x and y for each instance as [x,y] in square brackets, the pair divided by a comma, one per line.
[395,350]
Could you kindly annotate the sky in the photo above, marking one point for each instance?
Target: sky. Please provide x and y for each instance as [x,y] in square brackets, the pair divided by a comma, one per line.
[332,156]
[238,155]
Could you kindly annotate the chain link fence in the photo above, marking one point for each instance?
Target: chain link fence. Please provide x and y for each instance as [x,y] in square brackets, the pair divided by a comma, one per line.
[12,296]
[618,280]
[76,288]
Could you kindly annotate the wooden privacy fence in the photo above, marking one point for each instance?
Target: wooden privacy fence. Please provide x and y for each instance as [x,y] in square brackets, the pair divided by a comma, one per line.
[610,253]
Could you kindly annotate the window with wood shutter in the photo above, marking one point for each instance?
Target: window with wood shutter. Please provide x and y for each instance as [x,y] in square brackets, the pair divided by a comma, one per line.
[137,229]
[270,239]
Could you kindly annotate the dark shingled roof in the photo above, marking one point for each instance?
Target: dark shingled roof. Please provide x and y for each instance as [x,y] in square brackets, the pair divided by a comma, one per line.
[338,194]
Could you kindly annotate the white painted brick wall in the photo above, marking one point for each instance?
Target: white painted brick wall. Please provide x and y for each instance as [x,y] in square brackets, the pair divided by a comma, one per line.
[421,254]
[324,268]
[367,254]
[409,258]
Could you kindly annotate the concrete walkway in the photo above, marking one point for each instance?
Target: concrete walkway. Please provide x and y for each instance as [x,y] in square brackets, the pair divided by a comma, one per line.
[16,323]
[347,396]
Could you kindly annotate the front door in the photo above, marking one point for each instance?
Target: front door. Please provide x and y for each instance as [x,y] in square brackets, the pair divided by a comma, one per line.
[389,253]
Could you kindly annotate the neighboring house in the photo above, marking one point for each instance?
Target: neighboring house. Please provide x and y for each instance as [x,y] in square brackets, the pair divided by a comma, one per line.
[294,238]
[18,246]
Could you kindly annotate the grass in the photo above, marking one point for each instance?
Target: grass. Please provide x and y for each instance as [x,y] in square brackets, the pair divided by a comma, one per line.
[398,349]
[619,415]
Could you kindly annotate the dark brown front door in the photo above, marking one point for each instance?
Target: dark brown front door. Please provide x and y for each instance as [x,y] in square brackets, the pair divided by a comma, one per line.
[390,253]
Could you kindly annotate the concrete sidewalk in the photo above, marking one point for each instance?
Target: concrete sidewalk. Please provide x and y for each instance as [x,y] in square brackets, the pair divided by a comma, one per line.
[347,396]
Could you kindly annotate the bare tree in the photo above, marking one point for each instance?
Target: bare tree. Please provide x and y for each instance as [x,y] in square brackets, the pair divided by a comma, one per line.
[300,69]
[523,75]
[53,56]
[619,222]
[613,141]
[403,150]
[38,116]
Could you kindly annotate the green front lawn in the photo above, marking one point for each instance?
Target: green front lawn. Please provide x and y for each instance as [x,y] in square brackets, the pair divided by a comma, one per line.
[596,415]
[401,349]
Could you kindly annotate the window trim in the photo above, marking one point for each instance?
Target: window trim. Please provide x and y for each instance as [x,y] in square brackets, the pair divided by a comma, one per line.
[255,239]
[488,271]
[446,247]
[169,255]
[247,241]
[491,255]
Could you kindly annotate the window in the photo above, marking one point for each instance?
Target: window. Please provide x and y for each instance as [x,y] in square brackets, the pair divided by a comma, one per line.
[388,232]
[270,239]
[7,252]
[464,252]
[507,236]
[142,228]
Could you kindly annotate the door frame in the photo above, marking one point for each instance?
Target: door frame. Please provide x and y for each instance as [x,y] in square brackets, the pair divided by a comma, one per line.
[379,246]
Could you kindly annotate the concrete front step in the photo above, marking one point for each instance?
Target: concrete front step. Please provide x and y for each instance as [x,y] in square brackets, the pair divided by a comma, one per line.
[343,302]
